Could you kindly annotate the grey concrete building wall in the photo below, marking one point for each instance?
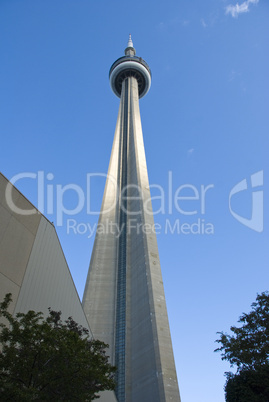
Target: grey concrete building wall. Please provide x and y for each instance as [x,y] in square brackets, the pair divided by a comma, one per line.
[17,236]
[47,279]
[33,266]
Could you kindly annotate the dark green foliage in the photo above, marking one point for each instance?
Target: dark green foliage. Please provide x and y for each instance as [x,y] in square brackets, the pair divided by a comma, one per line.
[248,350]
[45,359]
[249,385]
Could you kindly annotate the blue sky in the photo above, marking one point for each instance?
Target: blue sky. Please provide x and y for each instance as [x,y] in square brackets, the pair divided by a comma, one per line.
[205,120]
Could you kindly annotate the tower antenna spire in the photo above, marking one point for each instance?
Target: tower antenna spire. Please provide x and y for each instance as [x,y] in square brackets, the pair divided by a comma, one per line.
[130,42]
[130,50]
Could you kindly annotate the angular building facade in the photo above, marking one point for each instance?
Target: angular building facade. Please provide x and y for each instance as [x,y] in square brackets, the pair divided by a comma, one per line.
[124,297]
[33,267]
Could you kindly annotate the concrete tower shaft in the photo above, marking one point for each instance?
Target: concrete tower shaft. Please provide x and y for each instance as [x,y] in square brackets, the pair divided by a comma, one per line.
[124,295]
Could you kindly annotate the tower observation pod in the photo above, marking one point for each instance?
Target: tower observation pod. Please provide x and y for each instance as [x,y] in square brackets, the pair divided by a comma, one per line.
[124,296]
[130,66]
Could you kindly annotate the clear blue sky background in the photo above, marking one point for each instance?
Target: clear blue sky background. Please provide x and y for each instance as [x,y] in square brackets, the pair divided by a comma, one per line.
[205,119]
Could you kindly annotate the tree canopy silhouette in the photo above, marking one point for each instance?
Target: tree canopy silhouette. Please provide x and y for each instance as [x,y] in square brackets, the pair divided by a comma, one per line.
[248,350]
[44,359]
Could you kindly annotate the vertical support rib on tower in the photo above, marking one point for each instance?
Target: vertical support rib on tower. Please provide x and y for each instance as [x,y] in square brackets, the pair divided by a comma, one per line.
[124,297]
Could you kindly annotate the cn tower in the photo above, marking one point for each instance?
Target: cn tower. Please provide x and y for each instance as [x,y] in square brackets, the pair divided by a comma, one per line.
[124,296]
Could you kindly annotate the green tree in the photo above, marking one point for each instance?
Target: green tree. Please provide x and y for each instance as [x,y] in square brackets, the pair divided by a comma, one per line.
[248,349]
[44,359]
